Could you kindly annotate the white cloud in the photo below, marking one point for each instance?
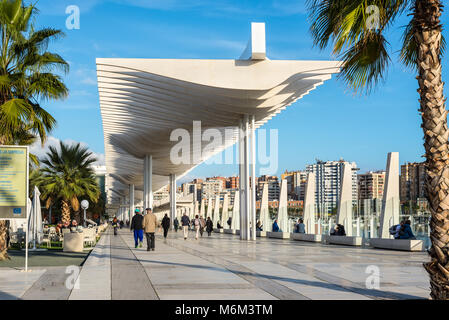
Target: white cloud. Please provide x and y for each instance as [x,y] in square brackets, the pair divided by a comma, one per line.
[40,151]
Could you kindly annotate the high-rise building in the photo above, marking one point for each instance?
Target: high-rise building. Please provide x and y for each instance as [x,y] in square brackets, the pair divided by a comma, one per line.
[232,183]
[273,187]
[296,182]
[211,188]
[412,181]
[222,179]
[371,185]
[328,184]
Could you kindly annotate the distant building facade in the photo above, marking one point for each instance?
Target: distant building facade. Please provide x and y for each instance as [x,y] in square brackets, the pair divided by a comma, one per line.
[328,176]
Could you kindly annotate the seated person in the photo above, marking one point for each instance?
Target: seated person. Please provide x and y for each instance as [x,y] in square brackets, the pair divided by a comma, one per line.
[219,225]
[406,231]
[339,230]
[259,226]
[73,226]
[300,227]
[275,226]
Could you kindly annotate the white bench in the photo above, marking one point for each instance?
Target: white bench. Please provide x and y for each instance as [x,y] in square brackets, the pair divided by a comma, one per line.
[344,240]
[307,237]
[397,244]
[231,231]
[261,234]
[279,235]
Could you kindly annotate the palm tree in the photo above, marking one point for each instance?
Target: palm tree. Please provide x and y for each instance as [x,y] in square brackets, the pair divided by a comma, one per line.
[67,176]
[26,72]
[27,79]
[355,29]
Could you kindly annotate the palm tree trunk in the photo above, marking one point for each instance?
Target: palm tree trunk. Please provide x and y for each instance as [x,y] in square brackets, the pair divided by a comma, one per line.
[3,247]
[65,211]
[434,116]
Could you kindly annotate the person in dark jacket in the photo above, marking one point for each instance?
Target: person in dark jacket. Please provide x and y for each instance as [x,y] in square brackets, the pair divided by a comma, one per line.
[136,226]
[275,226]
[115,225]
[176,224]
[406,231]
[165,224]
[209,226]
[185,222]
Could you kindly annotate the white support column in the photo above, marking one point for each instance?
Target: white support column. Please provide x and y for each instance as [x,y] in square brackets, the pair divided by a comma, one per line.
[253,178]
[148,182]
[172,180]
[247,177]
[244,179]
[241,181]
[131,202]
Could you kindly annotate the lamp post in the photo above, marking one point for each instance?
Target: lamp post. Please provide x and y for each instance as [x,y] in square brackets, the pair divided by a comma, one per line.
[84,206]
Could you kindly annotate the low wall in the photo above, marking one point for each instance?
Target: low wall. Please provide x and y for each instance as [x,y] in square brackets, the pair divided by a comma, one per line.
[344,240]
[279,235]
[307,237]
[398,244]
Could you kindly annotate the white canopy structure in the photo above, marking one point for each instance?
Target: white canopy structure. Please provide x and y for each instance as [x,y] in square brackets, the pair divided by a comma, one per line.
[143,100]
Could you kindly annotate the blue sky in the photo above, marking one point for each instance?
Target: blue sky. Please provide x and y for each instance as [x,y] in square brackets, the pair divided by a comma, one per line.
[329,124]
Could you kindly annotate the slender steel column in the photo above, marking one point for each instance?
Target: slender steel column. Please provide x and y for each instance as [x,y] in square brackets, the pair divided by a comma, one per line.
[172,198]
[247,177]
[148,182]
[131,202]
[242,181]
[253,177]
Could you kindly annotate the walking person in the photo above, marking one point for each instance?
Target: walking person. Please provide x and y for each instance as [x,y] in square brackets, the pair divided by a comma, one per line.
[136,226]
[209,226]
[176,224]
[185,222]
[149,225]
[165,224]
[115,225]
[202,225]
[197,225]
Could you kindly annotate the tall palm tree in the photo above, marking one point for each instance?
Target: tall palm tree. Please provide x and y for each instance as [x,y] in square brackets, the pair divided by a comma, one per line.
[27,79]
[67,175]
[355,29]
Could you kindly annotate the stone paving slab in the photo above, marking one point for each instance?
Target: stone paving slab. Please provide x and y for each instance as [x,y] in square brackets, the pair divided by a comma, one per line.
[14,283]
[95,276]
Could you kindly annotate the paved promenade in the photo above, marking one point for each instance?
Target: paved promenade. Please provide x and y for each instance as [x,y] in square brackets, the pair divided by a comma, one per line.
[222,267]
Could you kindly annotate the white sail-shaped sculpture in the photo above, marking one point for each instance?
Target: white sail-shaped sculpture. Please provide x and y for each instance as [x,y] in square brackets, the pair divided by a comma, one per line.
[216,214]
[225,212]
[235,223]
[309,204]
[209,208]
[282,210]
[390,202]
[344,211]
[265,219]
[202,211]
